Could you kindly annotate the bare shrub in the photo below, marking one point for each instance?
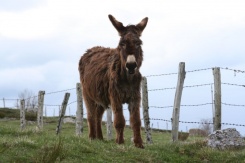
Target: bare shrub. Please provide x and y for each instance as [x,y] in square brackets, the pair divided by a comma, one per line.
[30,100]
[206,126]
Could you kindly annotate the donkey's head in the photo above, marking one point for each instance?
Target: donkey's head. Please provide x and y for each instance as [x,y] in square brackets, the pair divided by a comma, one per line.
[130,44]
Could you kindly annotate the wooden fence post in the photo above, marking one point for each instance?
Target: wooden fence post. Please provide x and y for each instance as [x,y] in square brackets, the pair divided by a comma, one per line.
[22,114]
[62,113]
[177,101]
[213,110]
[17,104]
[145,110]
[40,110]
[217,98]
[79,113]
[109,123]
[45,111]
[3,103]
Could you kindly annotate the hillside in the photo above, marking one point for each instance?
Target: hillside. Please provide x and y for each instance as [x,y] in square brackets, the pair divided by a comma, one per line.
[32,145]
[15,113]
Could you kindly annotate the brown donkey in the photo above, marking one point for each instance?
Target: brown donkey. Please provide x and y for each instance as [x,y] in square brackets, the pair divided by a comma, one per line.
[110,78]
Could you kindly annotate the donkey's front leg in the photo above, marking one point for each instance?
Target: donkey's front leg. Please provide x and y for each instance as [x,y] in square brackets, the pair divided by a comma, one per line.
[134,108]
[119,123]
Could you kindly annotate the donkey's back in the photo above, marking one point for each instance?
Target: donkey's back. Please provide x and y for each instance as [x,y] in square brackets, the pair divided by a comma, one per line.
[94,68]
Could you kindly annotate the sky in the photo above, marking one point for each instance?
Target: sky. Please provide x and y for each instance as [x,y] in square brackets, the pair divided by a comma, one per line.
[42,41]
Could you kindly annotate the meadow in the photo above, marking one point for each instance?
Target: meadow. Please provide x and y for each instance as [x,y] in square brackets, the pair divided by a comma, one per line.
[32,145]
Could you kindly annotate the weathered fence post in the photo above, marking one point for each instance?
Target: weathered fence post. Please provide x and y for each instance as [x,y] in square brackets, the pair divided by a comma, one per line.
[22,114]
[213,110]
[17,104]
[3,103]
[177,101]
[109,123]
[79,113]
[45,111]
[62,113]
[145,110]
[217,98]
[40,110]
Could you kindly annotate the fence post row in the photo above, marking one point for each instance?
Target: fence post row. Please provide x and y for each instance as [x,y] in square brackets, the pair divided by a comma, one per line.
[217,98]
[40,110]
[177,101]
[109,124]
[22,114]
[145,110]
[79,113]
[62,113]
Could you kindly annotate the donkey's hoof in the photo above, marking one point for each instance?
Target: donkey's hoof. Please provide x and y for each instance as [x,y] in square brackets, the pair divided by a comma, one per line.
[139,146]
[119,141]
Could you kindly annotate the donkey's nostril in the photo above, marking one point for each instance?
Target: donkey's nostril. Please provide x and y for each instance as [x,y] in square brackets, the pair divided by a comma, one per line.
[131,66]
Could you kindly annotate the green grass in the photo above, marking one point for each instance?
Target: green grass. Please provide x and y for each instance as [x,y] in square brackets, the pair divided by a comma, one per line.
[15,113]
[33,146]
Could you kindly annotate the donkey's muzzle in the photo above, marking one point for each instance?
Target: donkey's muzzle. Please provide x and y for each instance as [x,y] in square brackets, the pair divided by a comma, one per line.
[131,64]
[131,67]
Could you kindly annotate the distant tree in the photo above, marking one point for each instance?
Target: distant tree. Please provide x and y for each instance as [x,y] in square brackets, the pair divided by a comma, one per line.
[30,99]
[206,126]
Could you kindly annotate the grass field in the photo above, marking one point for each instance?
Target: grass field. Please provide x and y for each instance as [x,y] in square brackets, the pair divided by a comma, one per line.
[32,145]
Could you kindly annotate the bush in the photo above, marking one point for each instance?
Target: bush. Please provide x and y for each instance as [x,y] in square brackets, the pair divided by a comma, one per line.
[15,113]
[31,116]
[183,136]
[2,115]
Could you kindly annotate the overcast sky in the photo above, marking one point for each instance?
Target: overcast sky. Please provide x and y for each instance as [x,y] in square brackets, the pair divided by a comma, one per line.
[42,41]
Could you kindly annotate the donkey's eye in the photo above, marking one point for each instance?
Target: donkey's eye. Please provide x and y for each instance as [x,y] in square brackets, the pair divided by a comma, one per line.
[137,44]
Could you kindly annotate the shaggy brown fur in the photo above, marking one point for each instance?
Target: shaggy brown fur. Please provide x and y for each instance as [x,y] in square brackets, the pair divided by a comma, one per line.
[111,77]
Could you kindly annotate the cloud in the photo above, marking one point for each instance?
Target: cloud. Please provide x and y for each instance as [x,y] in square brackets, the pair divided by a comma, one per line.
[42,41]
[18,6]
[56,74]
[32,23]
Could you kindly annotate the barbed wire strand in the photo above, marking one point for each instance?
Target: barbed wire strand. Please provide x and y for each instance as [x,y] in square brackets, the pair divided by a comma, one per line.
[51,105]
[195,105]
[6,99]
[181,105]
[167,74]
[37,95]
[59,91]
[232,104]
[190,86]
[29,98]
[203,69]
[233,84]
[175,73]
[236,71]
[232,124]
[71,103]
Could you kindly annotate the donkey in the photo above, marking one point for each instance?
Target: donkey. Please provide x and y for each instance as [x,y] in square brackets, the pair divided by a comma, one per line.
[110,78]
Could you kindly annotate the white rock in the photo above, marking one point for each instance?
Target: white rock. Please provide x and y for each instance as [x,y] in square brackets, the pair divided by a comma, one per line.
[227,138]
[68,120]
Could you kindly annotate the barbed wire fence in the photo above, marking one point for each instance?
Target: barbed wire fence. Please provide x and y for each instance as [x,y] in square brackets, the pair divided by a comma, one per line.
[11,103]
[211,104]
[6,102]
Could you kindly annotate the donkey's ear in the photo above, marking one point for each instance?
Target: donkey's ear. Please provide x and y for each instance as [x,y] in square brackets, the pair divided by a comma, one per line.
[142,25]
[118,25]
